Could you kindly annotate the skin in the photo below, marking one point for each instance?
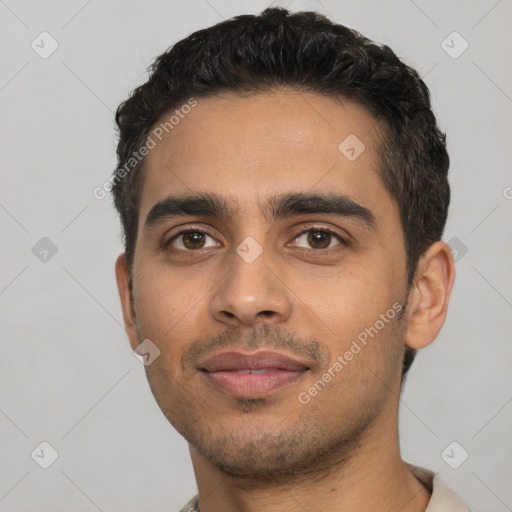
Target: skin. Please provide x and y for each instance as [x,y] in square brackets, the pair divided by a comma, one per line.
[275,453]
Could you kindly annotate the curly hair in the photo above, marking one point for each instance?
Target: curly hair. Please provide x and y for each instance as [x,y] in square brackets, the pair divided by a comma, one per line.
[305,51]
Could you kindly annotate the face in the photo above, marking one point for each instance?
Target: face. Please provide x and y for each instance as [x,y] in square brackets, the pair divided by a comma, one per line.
[270,272]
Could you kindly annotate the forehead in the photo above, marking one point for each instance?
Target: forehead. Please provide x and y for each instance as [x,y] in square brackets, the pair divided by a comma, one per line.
[249,148]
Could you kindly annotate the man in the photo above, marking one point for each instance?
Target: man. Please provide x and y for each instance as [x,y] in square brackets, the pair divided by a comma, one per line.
[282,187]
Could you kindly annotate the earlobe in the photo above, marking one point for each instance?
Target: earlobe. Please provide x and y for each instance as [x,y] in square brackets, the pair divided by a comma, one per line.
[125,295]
[429,295]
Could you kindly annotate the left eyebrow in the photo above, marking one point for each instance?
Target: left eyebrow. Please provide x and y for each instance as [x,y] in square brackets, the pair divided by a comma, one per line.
[277,207]
[286,205]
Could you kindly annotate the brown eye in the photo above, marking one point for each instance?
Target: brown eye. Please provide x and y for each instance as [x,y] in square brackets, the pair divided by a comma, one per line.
[191,240]
[317,239]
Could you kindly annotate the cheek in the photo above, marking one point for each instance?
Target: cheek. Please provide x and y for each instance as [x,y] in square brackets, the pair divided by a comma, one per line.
[346,300]
[354,313]
[170,391]
[167,303]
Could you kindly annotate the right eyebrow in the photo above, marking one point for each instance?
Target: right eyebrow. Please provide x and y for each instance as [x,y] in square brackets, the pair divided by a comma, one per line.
[208,205]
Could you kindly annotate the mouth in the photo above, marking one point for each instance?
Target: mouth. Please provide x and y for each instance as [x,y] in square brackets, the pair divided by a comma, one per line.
[251,375]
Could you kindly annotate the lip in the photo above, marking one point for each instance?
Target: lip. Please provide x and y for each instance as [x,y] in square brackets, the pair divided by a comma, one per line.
[251,374]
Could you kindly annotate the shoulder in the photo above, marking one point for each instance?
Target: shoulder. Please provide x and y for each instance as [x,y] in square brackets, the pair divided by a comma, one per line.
[191,506]
[443,499]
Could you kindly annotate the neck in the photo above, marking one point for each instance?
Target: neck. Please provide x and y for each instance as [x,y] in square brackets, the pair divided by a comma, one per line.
[371,477]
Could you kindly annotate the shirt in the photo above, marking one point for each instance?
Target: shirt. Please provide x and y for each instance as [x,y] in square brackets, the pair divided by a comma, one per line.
[442,498]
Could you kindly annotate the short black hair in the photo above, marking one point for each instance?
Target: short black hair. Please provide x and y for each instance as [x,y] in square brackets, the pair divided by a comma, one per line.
[307,52]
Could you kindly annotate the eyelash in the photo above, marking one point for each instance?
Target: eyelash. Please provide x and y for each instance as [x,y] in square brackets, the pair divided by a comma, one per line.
[342,241]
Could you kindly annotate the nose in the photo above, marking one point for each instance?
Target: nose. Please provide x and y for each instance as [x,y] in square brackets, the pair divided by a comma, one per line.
[251,293]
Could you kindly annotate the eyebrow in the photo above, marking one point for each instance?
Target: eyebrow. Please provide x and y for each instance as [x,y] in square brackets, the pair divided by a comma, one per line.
[277,207]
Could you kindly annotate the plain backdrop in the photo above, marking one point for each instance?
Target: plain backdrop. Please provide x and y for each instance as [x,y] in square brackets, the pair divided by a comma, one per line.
[67,374]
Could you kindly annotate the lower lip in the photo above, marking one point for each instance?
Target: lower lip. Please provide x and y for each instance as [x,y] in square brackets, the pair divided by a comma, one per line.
[251,385]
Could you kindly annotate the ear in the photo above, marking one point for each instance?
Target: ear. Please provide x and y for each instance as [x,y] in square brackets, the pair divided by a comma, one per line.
[125,294]
[429,295]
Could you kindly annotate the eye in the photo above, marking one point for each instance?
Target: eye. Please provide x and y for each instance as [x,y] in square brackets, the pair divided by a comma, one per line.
[318,239]
[191,239]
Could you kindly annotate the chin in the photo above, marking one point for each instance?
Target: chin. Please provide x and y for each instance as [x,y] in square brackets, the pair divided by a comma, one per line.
[273,455]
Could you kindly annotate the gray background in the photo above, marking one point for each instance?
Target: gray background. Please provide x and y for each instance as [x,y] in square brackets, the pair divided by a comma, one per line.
[67,373]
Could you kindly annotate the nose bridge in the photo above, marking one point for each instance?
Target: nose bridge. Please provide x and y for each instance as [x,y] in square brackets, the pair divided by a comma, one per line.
[251,292]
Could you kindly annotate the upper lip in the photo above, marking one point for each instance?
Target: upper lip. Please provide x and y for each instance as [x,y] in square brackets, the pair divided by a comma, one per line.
[234,360]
